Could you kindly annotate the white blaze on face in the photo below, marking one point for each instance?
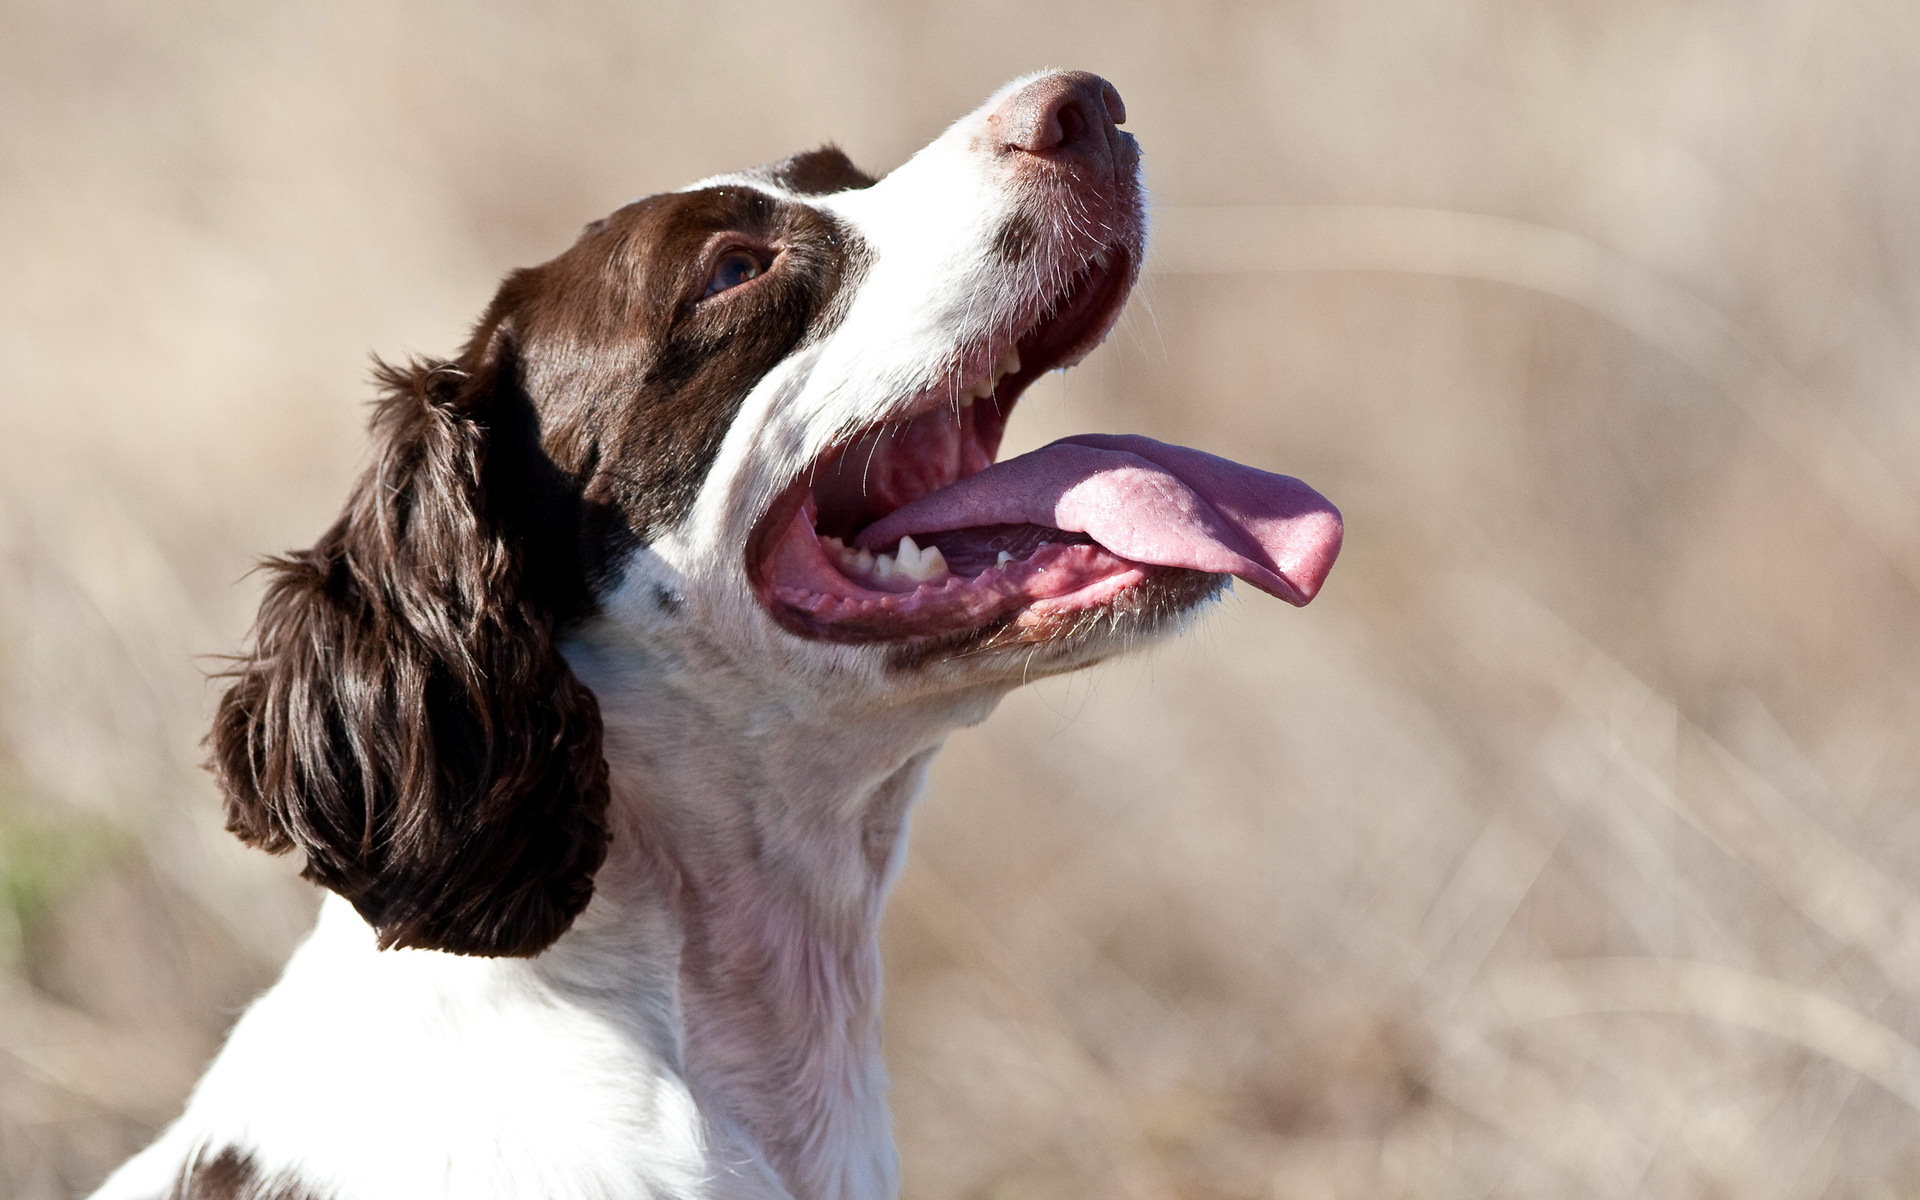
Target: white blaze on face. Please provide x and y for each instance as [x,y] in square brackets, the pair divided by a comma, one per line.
[933,283]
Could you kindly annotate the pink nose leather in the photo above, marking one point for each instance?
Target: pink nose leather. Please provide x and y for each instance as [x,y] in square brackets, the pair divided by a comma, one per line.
[1066,115]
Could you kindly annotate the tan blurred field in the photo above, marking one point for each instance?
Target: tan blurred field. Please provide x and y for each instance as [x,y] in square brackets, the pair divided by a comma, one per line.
[1568,846]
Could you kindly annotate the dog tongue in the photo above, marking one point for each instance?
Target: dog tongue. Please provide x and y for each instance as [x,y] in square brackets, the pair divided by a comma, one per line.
[1147,502]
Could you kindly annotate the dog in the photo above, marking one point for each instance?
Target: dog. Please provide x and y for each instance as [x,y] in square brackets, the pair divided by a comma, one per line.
[601,708]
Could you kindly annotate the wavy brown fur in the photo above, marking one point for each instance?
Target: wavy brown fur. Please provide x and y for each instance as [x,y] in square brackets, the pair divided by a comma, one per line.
[404,718]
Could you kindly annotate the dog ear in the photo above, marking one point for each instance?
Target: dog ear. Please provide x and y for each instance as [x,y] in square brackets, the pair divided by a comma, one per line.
[404,718]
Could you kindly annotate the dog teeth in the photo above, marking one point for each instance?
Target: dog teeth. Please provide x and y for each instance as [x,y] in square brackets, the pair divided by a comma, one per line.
[852,558]
[984,387]
[917,564]
[1100,260]
[908,560]
[1002,559]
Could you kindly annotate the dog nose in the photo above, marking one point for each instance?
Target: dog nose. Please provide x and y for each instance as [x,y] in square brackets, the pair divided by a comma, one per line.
[1068,114]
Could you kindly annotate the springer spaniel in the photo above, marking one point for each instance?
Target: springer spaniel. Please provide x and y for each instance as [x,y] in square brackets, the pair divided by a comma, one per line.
[602,706]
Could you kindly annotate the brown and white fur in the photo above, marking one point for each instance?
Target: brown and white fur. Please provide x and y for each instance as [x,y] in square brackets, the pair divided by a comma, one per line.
[608,828]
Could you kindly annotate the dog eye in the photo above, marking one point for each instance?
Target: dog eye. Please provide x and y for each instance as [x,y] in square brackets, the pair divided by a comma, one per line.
[734,268]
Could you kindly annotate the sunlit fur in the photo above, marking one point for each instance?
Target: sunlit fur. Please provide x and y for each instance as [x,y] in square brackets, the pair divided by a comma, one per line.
[709,1026]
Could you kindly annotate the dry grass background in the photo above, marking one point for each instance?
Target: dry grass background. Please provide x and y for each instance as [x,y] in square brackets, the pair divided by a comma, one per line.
[1566,847]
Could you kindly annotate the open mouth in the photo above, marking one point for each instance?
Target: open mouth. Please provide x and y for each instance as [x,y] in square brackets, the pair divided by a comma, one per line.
[913,530]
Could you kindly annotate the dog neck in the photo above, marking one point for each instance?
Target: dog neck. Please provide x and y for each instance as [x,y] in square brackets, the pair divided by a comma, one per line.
[767,834]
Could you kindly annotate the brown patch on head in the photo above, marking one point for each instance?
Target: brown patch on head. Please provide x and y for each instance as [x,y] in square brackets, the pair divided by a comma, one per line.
[636,374]
[817,173]
[405,718]
[232,1175]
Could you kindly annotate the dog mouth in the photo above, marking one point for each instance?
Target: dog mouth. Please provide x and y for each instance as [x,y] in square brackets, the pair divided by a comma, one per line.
[913,530]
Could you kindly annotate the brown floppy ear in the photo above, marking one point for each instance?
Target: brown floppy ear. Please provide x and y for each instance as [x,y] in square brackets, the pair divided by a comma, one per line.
[404,718]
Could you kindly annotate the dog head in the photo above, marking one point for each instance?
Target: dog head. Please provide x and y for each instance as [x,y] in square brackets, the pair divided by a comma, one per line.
[750,424]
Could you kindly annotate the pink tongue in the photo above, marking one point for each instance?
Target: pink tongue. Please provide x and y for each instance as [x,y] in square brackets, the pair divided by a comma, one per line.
[1148,502]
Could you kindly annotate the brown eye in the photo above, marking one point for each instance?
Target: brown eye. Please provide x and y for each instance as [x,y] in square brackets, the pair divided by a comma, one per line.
[734,268]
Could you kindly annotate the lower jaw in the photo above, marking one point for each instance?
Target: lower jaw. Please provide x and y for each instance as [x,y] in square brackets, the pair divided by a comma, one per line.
[1037,642]
[1045,596]
[966,608]
[1136,603]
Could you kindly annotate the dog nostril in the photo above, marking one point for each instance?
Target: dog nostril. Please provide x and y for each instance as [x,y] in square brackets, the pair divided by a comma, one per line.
[1059,113]
[1072,124]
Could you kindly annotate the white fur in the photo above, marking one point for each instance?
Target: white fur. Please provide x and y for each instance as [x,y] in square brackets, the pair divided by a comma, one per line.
[767,775]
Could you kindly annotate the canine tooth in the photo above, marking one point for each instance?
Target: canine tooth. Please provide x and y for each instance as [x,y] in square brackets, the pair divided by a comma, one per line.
[1002,559]
[920,565]
[983,388]
[933,562]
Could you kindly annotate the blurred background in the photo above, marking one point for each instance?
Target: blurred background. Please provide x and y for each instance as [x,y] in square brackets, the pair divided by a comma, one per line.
[1567,846]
